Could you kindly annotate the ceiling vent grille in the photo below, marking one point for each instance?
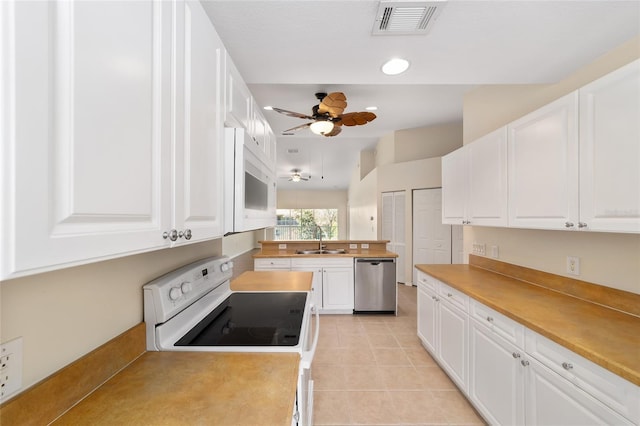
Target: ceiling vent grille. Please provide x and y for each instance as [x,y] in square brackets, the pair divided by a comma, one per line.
[406,18]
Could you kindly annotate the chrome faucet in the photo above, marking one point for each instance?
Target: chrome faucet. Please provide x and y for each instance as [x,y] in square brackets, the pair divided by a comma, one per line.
[320,237]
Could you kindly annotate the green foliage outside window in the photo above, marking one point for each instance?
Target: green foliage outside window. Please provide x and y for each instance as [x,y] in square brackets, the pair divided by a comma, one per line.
[305,224]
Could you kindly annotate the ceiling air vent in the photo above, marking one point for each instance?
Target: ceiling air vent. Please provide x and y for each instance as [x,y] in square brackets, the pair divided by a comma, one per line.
[406,18]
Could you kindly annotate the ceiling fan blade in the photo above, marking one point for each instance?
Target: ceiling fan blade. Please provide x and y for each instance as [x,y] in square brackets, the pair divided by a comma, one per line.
[294,129]
[357,118]
[292,114]
[334,104]
[336,131]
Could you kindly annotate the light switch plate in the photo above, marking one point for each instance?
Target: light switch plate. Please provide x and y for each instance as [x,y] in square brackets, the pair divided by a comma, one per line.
[353,246]
[282,246]
[364,245]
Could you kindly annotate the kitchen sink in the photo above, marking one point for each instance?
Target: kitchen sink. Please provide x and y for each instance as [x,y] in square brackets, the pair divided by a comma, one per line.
[324,251]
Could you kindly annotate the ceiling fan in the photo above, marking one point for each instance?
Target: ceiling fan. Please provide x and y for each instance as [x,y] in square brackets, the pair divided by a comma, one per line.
[327,116]
[297,176]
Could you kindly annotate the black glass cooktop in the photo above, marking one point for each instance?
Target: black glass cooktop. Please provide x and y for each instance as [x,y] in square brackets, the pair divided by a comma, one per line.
[251,319]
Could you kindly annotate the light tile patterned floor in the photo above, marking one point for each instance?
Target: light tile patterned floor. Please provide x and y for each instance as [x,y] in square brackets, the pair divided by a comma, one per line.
[372,370]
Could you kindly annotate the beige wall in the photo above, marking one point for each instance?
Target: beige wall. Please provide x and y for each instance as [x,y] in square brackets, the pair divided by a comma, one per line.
[427,142]
[62,315]
[385,150]
[318,200]
[605,258]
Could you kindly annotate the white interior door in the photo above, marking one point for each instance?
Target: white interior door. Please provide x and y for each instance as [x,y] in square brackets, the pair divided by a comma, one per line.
[431,238]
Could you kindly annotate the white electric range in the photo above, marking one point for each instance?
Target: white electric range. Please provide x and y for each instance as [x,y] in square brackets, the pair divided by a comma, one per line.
[194,309]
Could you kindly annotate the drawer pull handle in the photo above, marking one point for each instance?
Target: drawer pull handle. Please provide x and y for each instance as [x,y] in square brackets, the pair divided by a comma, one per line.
[489,319]
[524,362]
[516,355]
[449,295]
[567,365]
[569,225]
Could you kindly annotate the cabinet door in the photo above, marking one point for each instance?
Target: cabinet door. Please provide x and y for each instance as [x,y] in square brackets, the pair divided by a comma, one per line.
[237,98]
[337,288]
[427,318]
[454,187]
[316,284]
[553,400]
[610,152]
[198,180]
[487,190]
[86,134]
[543,167]
[452,342]
[496,377]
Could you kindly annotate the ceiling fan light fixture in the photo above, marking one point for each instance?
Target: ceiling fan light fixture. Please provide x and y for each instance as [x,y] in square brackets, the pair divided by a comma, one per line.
[295,177]
[321,127]
[395,66]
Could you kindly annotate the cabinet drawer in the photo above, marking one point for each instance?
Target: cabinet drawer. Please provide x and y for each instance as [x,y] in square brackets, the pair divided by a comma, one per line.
[507,328]
[427,282]
[272,263]
[619,394]
[453,296]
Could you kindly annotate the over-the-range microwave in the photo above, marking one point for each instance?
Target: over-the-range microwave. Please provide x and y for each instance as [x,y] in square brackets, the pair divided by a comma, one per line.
[249,182]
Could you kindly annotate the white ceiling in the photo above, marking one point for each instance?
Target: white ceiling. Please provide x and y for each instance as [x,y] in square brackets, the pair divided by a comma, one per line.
[287,50]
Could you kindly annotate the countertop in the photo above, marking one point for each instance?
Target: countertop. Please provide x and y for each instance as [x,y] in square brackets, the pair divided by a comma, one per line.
[349,253]
[178,388]
[273,281]
[606,336]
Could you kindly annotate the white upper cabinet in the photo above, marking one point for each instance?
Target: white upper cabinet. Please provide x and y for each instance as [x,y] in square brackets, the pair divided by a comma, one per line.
[454,187]
[474,182]
[198,180]
[487,195]
[86,131]
[111,138]
[237,98]
[543,167]
[610,152]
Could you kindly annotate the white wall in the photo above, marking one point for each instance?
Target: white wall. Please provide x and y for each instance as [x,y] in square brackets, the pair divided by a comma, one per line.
[318,200]
[605,258]
[363,206]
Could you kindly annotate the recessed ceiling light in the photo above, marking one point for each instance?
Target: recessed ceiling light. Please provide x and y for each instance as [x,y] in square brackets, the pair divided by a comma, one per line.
[395,66]
[268,108]
[372,108]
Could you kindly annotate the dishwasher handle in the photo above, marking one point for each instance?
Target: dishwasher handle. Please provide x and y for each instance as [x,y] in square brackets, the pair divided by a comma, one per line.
[374,261]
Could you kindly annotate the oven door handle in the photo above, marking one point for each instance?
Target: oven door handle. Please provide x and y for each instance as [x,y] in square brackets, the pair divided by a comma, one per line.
[307,356]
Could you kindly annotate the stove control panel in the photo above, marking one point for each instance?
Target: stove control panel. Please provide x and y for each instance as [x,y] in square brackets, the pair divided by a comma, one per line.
[169,294]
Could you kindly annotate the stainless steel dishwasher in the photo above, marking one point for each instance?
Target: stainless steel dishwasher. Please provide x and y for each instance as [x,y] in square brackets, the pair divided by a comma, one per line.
[375,285]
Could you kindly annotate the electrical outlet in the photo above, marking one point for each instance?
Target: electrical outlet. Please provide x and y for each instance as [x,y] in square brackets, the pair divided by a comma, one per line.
[353,246]
[494,252]
[282,246]
[573,265]
[10,368]
[364,246]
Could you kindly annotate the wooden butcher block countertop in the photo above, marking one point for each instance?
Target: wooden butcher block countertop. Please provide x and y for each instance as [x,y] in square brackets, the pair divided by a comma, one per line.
[188,388]
[599,323]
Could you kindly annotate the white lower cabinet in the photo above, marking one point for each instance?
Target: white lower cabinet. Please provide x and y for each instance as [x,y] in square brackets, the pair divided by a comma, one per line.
[553,400]
[333,282]
[443,326]
[496,376]
[516,376]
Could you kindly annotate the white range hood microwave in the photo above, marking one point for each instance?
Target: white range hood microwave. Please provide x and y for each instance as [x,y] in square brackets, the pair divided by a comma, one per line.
[250,186]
